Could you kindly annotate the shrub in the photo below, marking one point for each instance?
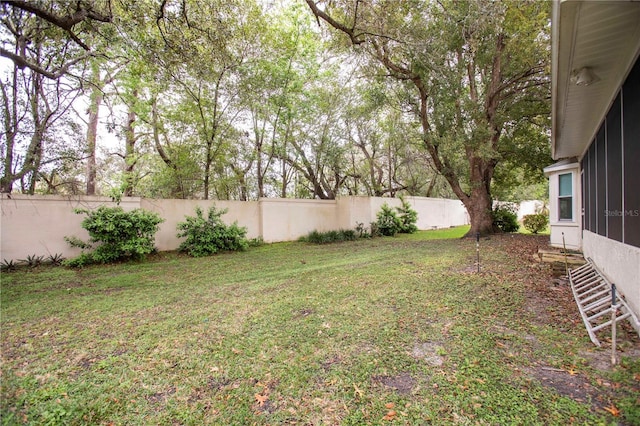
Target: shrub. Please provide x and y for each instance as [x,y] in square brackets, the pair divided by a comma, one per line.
[389,224]
[256,242]
[33,260]
[408,217]
[55,259]
[83,260]
[121,235]
[207,236]
[505,218]
[8,265]
[361,231]
[375,232]
[535,223]
[328,237]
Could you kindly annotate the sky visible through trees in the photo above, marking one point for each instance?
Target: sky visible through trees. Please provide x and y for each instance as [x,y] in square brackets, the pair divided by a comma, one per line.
[309,99]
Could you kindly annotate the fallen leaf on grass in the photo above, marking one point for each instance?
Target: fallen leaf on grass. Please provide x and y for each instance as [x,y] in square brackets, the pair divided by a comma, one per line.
[261,399]
[613,410]
[358,392]
[389,405]
[391,415]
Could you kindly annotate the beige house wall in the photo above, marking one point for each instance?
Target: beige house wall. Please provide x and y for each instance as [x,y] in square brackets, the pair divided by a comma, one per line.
[37,225]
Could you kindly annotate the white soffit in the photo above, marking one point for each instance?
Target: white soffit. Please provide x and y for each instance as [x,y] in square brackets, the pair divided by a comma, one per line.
[604,36]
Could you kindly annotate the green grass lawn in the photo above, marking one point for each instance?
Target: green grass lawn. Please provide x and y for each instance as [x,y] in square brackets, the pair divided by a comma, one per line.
[385,331]
[523,230]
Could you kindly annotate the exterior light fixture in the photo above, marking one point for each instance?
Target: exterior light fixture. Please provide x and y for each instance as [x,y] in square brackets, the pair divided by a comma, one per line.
[584,77]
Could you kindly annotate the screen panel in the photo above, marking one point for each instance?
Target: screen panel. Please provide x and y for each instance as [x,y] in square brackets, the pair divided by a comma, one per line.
[631,156]
[614,171]
[586,224]
[601,181]
[592,189]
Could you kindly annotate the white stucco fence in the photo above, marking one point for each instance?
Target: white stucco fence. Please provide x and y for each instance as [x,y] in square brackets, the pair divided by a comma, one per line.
[37,225]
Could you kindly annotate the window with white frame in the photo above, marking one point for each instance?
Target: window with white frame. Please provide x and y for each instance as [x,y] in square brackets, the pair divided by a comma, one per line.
[565,196]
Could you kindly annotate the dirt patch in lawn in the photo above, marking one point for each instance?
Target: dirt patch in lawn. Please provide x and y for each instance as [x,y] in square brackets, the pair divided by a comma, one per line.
[568,383]
[303,313]
[402,383]
[428,351]
[161,398]
[331,362]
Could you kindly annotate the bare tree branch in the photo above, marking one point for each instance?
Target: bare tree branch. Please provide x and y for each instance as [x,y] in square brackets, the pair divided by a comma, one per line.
[83,12]
[356,38]
[22,62]
[64,22]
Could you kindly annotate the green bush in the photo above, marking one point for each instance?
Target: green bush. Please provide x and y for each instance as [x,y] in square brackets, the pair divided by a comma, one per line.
[506,218]
[375,232]
[363,232]
[408,218]
[119,235]
[206,236]
[8,265]
[389,224]
[535,223]
[256,242]
[328,237]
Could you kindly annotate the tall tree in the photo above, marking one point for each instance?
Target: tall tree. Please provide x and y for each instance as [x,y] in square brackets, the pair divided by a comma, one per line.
[474,72]
[32,106]
[98,82]
[273,83]
[215,48]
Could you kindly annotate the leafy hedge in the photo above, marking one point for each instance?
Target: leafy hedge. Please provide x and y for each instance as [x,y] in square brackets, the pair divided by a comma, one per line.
[401,220]
[535,223]
[506,218]
[206,236]
[408,218]
[115,235]
[328,237]
[389,224]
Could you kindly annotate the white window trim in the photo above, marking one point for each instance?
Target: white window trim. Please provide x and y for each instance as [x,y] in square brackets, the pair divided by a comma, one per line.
[572,196]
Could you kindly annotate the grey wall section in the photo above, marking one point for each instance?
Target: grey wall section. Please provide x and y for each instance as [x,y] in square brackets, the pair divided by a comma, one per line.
[37,225]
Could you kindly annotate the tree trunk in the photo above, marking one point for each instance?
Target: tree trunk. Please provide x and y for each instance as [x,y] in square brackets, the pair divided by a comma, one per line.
[283,194]
[286,174]
[130,161]
[479,206]
[10,108]
[432,185]
[260,172]
[207,171]
[92,134]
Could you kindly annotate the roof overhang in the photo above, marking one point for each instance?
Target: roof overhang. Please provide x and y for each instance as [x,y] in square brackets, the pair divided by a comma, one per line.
[561,166]
[603,36]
